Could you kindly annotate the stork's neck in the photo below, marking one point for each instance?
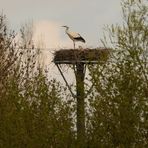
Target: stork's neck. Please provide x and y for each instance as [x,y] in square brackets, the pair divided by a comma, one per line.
[67,29]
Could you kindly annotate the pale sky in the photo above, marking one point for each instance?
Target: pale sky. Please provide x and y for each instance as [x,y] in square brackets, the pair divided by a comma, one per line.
[87,17]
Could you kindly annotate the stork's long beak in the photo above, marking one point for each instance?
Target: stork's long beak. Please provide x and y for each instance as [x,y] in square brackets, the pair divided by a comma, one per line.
[63,26]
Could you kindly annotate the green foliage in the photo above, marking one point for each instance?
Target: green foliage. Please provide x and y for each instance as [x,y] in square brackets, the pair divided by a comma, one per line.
[38,112]
[7,52]
[119,109]
[34,111]
[35,117]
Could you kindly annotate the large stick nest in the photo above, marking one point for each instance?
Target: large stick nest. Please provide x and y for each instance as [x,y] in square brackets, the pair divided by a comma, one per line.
[71,56]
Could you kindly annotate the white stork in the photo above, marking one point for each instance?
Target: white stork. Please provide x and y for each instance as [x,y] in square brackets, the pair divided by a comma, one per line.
[75,37]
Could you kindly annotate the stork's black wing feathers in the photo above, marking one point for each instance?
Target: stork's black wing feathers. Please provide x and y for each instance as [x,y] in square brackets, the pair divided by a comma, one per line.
[79,39]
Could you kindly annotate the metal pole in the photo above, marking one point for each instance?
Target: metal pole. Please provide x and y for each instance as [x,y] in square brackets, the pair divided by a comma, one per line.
[74,96]
[80,105]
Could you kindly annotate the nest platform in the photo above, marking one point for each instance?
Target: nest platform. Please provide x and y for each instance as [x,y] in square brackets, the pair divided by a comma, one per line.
[85,56]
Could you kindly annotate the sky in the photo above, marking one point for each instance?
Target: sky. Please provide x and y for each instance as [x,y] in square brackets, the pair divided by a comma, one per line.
[86,17]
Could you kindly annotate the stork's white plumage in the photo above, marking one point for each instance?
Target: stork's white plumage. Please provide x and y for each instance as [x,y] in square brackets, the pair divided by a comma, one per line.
[75,37]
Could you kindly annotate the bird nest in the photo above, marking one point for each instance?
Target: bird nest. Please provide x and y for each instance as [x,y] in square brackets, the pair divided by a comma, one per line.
[86,56]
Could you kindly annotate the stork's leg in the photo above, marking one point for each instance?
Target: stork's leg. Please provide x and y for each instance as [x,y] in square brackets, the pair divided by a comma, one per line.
[74,44]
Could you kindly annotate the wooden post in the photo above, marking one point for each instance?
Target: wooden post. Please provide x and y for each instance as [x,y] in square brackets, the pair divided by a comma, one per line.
[79,58]
[80,105]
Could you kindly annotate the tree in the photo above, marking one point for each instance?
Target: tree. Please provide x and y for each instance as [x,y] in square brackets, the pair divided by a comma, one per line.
[33,112]
[119,102]
[8,55]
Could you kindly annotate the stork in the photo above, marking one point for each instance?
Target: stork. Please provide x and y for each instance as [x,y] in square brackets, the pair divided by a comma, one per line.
[75,37]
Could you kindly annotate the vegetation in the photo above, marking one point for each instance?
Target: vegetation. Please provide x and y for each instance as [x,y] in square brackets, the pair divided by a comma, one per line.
[119,102]
[38,112]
